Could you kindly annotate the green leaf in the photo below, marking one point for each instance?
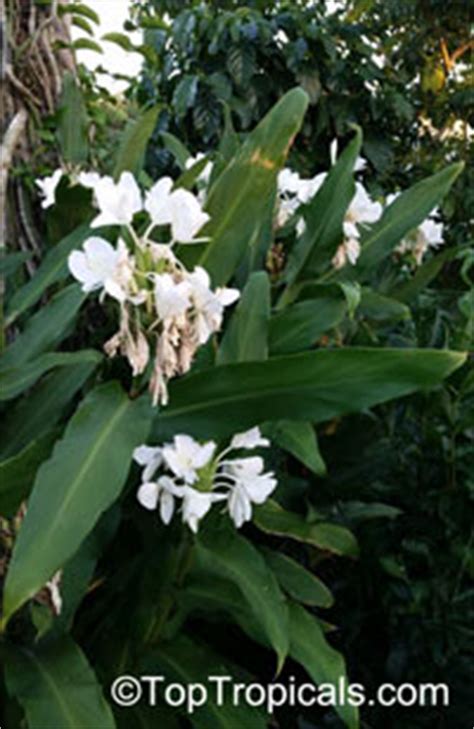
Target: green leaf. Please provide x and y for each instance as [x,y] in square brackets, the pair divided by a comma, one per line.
[300,326]
[324,216]
[238,199]
[52,269]
[132,148]
[272,519]
[72,125]
[34,414]
[376,307]
[12,262]
[246,336]
[231,556]
[120,39]
[188,662]
[15,380]
[323,664]
[79,9]
[297,581]
[86,44]
[83,24]
[17,473]
[185,94]
[45,329]
[424,275]
[84,475]
[56,686]
[176,147]
[403,215]
[190,176]
[299,439]
[313,386]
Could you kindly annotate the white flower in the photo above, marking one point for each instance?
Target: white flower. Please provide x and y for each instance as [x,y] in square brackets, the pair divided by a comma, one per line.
[208,305]
[89,179]
[161,492]
[97,267]
[250,486]
[362,208]
[47,186]
[309,188]
[178,208]
[196,504]
[171,299]
[157,202]
[288,181]
[118,202]
[240,482]
[348,251]
[149,457]
[250,439]
[185,456]
[187,217]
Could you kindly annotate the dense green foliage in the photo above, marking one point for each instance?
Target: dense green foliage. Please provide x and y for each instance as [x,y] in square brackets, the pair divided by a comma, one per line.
[361,563]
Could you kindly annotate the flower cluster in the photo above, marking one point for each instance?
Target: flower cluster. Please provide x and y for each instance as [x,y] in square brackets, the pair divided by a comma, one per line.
[295,191]
[166,311]
[193,475]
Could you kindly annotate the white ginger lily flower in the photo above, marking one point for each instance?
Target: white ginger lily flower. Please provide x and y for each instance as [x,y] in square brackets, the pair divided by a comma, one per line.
[47,187]
[171,298]
[208,305]
[240,482]
[362,209]
[149,457]
[118,201]
[185,456]
[178,208]
[99,266]
[249,439]
[89,179]
[196,504]
[162,493]
[250,486]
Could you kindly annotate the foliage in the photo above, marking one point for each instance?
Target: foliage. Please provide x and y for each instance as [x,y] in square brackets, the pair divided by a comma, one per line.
[81,567]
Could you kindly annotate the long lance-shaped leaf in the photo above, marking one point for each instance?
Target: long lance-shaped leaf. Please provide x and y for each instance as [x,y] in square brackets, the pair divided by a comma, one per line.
[229,555]
[14,381]
[297,581]
[135,139]
[246,338]
[324,216]
[314,386]
[272,519]
[52,269]
[17,473]
[56,687]
[325,665]
[188,662]
[73,122]
[34,414]
[405,213]
[45,329]
[84,475]
[237,200]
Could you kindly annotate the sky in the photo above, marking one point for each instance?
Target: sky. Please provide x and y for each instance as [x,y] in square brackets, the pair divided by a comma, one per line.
[112,14]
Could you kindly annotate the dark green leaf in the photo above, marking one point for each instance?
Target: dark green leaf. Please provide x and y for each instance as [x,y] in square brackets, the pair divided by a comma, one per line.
[84,475]
[272,519]
[132,148]
[246,337]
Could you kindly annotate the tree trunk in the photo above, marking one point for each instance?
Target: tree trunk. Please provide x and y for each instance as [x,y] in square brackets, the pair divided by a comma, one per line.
[33,65]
